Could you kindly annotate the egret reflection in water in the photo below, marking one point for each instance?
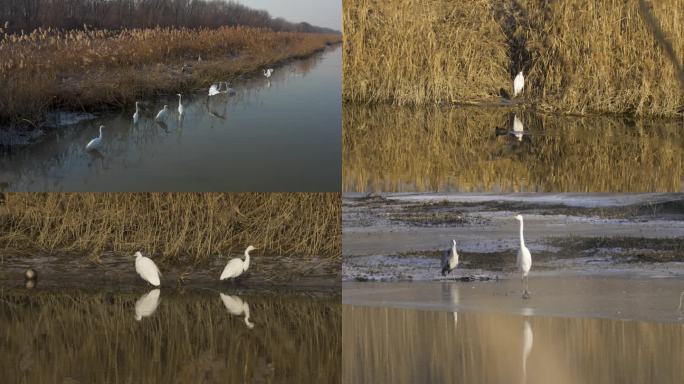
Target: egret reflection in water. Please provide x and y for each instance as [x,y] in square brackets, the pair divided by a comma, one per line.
[528,339]
[237,307]
[147,304]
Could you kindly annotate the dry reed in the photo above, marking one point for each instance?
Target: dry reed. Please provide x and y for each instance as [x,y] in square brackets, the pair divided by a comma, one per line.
[174,227]
[579,57]
[90,69]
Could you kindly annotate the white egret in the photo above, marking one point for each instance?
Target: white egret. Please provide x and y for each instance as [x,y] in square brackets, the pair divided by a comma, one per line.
[518,128]
[215,89]
[147,269]
[268,72]
[136,115]
[237,307]
[95,143]
[161,116]
[147,304]
[524,259]
[180,104]
[199,58]
[528,338]
[236,266]
[450,259]
[518,84]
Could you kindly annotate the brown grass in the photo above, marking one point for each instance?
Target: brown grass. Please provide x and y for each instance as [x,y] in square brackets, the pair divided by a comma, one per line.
[392,149]
[578,56]
[174,227]
[77,69]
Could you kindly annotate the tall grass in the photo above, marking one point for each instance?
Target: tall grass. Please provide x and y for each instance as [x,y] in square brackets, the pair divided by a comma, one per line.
[94,338]
[88,69]
[175,227]
[579,57]
[393,149]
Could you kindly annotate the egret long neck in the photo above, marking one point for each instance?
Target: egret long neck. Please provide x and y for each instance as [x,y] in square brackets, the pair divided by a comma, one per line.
[522,239]
[246,260]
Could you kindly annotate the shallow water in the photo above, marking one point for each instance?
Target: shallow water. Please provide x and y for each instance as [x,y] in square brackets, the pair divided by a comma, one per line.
[168,336]
[388,345]
[468,149]
[277,135]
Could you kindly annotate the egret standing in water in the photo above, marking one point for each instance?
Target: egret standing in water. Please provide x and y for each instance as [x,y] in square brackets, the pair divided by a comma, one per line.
[215,89]
[96,143]
[450,259]
[236,266]
[136,115]
[518,128]
[161,116]
[147,269]
[268,72]
[518,84]
[524,260]
[180,105]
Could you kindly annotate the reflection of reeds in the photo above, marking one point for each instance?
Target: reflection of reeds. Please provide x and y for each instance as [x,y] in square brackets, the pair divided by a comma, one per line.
[77,69]
[182,227]
[94,338]
[578,56]
[432,149]
[382,345]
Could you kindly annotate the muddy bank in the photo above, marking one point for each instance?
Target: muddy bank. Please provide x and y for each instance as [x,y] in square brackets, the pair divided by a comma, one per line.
[72,271]
[402,237]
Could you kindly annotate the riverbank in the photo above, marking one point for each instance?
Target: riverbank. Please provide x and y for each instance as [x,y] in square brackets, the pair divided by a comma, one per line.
[87,71]
[578,58]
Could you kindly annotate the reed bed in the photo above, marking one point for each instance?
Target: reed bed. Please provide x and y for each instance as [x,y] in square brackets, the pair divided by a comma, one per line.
[79,337]
[183,228]
[579,57]
[393,149]
[90,69]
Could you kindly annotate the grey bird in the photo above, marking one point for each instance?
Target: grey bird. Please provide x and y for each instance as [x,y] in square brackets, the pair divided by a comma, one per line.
[450,259]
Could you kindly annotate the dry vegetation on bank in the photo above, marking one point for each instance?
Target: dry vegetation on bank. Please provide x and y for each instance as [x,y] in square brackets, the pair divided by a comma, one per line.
[173,227]
[578,56]
[91,69]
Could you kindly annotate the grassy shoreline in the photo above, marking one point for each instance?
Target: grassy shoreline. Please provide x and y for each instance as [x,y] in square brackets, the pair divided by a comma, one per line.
[578,58]
[90,70]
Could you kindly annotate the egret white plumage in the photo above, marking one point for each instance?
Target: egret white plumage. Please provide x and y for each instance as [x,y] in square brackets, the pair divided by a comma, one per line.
[95,143]
[268,72]
[518,128]
[236,266]
[180,104]
[147,269]
[161,116]
[215,89]
[30,274]
[450,259]
[237,307]
[147,304]
[518,83]
[524,259]
[136,115]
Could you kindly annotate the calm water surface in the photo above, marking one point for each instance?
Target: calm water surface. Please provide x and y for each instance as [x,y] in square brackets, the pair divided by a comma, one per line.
[168,336]
[388,345]
[277,135]
[468,149]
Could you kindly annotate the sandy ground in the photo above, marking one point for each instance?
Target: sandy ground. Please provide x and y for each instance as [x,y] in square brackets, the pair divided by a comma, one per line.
[618,297]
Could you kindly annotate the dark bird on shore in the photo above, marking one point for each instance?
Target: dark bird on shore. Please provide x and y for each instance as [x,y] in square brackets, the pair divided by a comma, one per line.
[450,259]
